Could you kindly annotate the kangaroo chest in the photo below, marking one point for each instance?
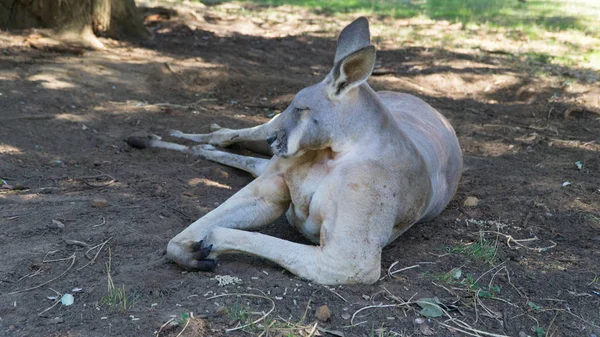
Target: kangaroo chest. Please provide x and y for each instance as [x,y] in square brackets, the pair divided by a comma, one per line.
[306,185]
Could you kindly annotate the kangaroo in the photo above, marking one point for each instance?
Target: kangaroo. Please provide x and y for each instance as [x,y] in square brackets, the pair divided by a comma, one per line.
[352,169]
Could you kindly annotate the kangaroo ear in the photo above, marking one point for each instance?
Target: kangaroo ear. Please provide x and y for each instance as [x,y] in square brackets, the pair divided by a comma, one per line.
[352,70]
[352,38]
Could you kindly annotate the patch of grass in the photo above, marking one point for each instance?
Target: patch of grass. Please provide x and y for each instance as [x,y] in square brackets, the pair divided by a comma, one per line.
[534,307]
[539,332]
[182,319]
[482,249]
[539,58]
[592,218]
[116,298]
[240,313]
[393,8]
[454,278]
[549,15]
[561,33]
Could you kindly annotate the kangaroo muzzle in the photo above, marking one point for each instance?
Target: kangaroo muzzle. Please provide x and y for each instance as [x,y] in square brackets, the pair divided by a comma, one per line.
[278,143]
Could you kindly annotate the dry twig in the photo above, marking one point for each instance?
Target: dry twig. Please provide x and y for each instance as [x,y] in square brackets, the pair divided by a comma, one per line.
[72,258]
[391,273]
[510,239]
[92,260]
[53,305]
[164,325]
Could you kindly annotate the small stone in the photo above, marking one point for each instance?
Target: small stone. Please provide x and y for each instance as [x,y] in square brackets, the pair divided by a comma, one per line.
[99,203]
[57,320]
[56,224]
[419,320]
[346,316]
[222,310]
[522,334]
[323,313]
[471,202]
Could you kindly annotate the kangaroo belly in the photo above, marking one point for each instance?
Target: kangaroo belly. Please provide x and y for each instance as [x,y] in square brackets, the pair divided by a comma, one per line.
[435,141]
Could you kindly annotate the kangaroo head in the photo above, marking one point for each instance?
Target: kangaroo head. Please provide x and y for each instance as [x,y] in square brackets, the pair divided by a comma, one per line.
[317,113]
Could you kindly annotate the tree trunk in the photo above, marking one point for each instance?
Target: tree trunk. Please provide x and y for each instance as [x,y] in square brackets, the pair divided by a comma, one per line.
[76,20]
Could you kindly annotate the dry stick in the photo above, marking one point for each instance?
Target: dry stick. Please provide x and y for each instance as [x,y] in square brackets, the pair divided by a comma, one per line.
[338,295]
[267,329]
[509,238]
[448,290]
[76,243]
[572,314]
[177,76]
[58,299]
[248,295]
[490,312]
[72,257]
[102,174]
[313,330]
[482,275]
[463,325]
[294,326]
[30,275]
[463,331]
[503,300]
[391,274]
[514,287]
[305,311]
[50,307]
[551,322]
[164,325]
[101,245]
[102,224]
[370,307]
[475,306]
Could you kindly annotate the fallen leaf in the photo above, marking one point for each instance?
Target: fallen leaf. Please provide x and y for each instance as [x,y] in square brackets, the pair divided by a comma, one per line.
[431,307]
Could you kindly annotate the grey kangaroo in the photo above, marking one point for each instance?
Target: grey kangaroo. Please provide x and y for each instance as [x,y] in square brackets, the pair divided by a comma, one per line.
[352,169]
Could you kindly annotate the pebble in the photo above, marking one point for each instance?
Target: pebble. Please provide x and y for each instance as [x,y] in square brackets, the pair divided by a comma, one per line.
[323,313]
[57,320]
[99,203]
[471,202]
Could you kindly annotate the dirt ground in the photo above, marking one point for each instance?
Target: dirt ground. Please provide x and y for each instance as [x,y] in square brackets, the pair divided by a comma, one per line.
[86,210]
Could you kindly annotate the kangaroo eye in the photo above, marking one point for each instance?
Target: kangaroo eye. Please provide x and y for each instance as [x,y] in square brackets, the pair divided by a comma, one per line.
[299,110]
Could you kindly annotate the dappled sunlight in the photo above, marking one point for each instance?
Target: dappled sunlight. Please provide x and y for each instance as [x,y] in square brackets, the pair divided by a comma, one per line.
[575,144]
[51,81]
[196,182]
[9,149]
[504,86]
[493,148]
[74,118]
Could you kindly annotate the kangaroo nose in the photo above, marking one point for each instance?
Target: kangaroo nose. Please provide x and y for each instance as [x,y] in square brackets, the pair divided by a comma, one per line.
[271,139]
